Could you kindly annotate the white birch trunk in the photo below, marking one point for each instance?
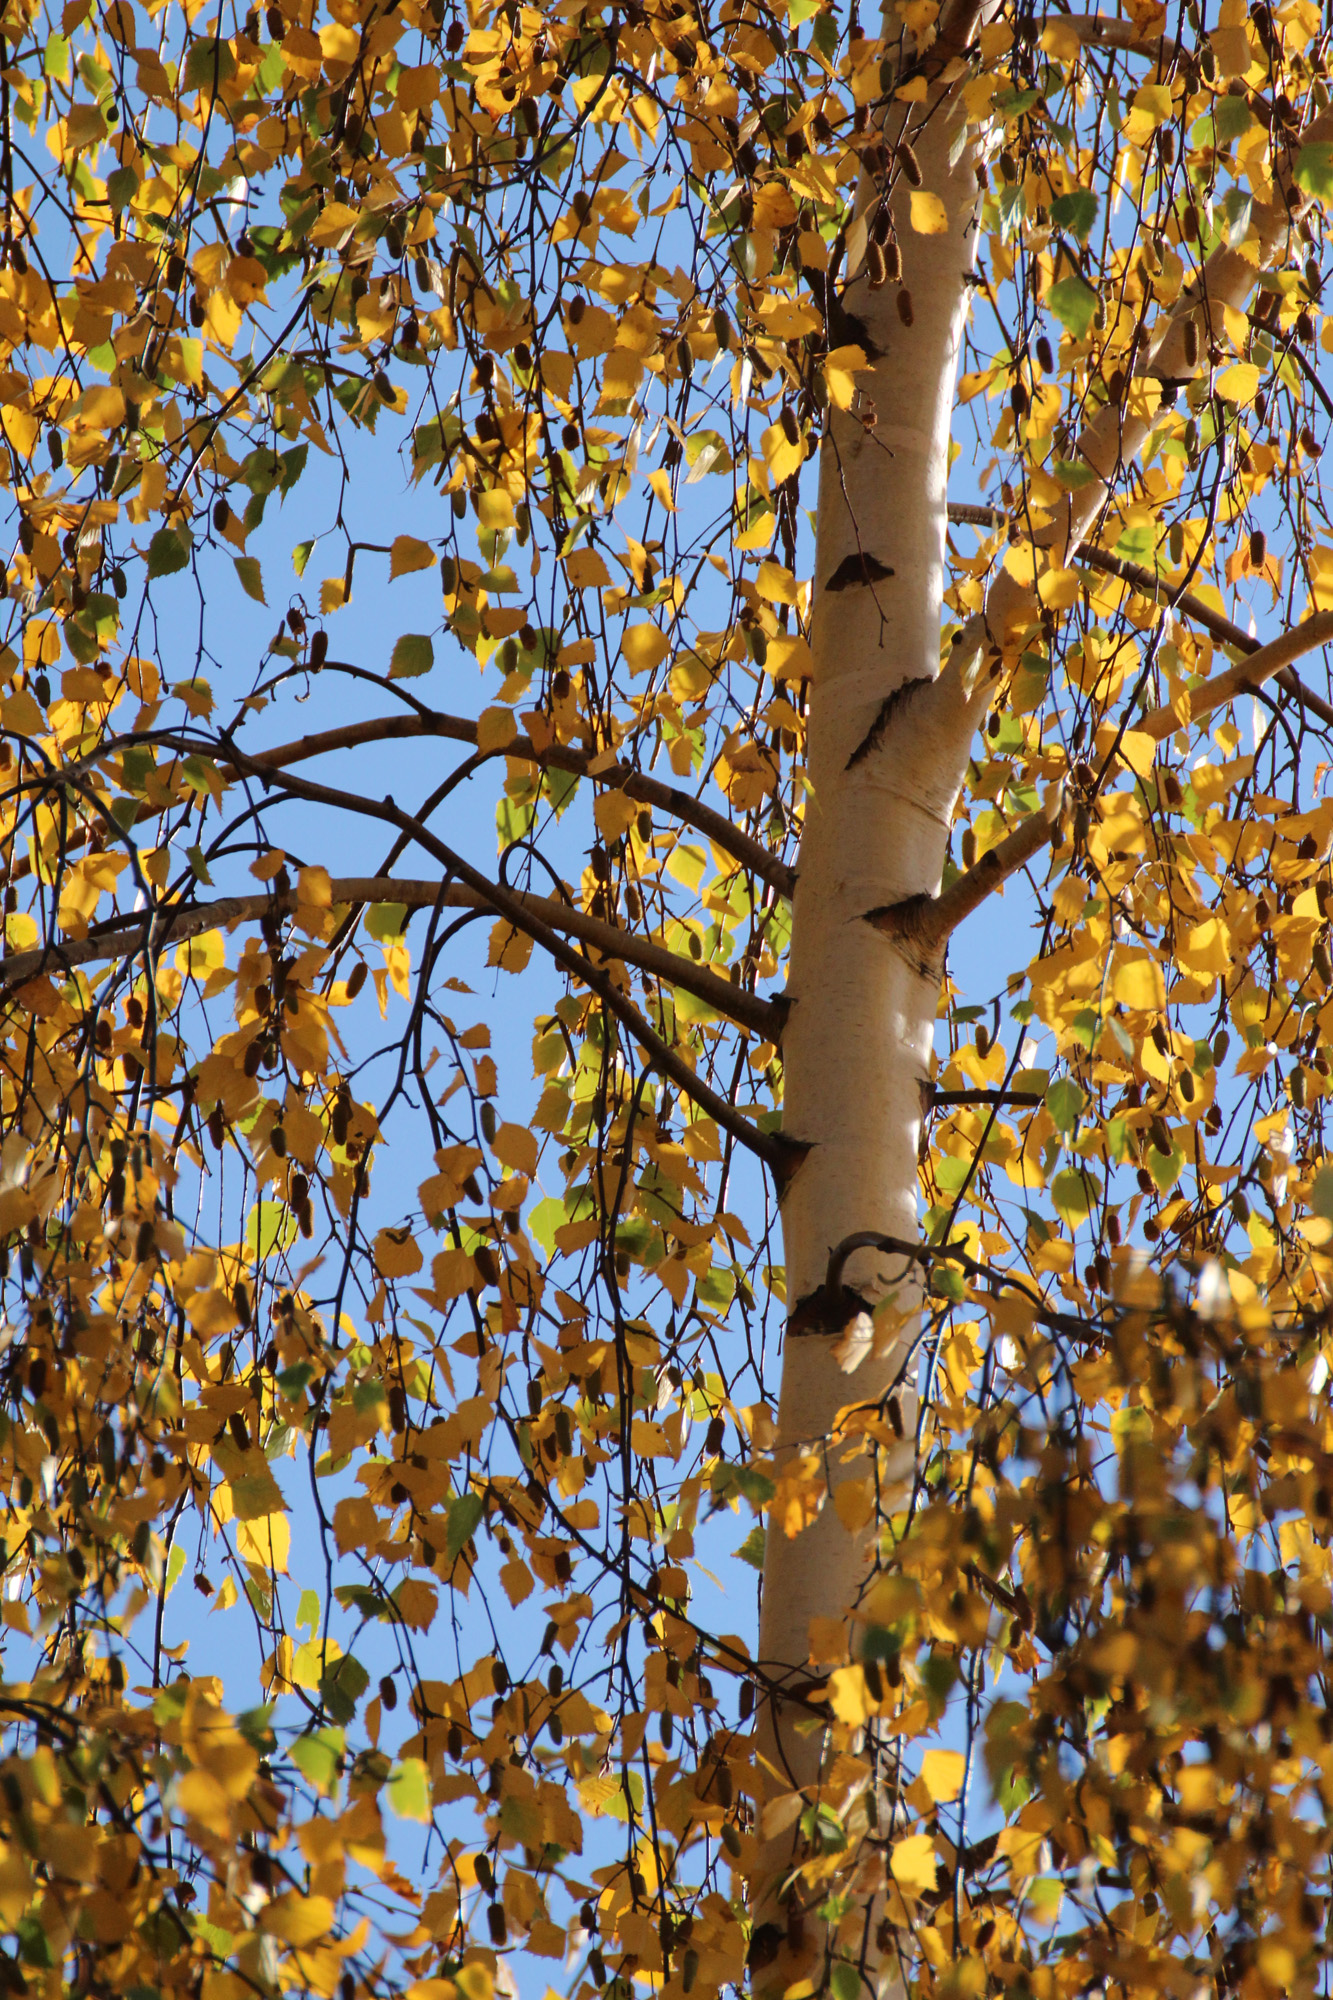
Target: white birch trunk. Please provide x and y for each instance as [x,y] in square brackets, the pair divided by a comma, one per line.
[857,1044]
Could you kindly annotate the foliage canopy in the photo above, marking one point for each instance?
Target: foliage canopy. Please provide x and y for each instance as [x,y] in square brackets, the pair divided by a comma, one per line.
[443,1373]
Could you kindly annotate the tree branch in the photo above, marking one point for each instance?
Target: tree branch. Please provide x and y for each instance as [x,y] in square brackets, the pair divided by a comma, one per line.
[1221,628]
[780,1155]
[175,923]
[1245,677]
[927,922]
[637,785]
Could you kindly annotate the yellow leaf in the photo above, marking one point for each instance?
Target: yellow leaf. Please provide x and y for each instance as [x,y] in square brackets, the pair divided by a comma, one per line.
[942,1774]
[417,1603]
[644,647]
[297,1919]
[397,1253]
[1207,947]
[586,570]
[496,730]
[495,509]
[1139,985]
[510,949]
[776,583]
[928,214]
[840,371]
[408,554]
[849,1697]
[854,1500]
[267,1542]
[1138,750]
[615,814]
[332,594]
[912,1863]
[1239,382]
[516,1147]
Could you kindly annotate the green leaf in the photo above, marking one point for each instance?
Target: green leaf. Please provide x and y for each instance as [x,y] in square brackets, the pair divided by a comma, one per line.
[413,655]
[845,1981]
[409,1790]
[317,1758]
[175,1564]
[1231,120]
[1065,1100]
[168,551]
[270,1228]
[342,1685]
[1314,169]
[464,1516]
[301,555]
[199,867]
[1321,1194]
[251,576]
[386,922]
[1075,212]
[752,1548]
[1072,1193]
[307,1610]
[1073,302]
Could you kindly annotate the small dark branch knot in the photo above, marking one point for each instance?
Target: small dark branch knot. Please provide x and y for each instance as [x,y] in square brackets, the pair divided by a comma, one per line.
[827,1313]
[888,710]
[855,569]
[909,920]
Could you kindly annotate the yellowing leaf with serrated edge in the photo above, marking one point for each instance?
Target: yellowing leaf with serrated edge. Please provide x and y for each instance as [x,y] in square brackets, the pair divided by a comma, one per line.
[1138,750]
[615,813]
[849,1697]
[515,1146]
[407,554]
[912,1864]
[644,647]
[496,729]
[397,1253]
[929,216]
[1239,382]
[840,372]
[942,1773]
[297,1919]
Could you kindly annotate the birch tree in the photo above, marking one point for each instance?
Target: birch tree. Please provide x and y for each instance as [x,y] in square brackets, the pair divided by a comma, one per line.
[838,505]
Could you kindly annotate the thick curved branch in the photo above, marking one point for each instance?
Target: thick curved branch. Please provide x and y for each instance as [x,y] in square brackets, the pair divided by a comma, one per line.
[175,924]
[1245,677]
[637,785]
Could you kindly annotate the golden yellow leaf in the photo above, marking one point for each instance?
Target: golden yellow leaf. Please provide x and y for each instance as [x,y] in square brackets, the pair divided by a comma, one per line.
[397,1253]
[1238,383]
[644,647]
[496,730]
[1139,984]
[912,1864]
[929,217]
[615,814]
[297,1919]
[841,368]
[942,1774]
[515,1146]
